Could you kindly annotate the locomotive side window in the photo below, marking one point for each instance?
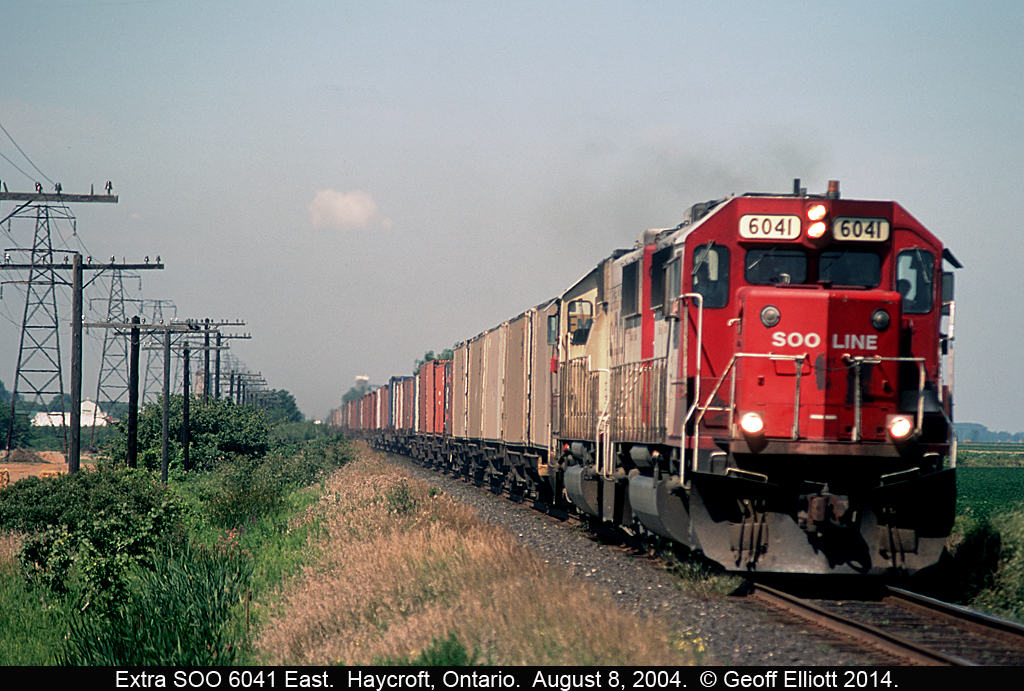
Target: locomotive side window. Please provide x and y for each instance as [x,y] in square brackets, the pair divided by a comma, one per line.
[631,289]
[850,268]
[581,317]
[915,272]
[673,285]
[772,265]
[711,274]
[658,264]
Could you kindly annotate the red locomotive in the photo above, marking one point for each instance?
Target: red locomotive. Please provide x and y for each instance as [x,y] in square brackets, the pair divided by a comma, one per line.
[768,383]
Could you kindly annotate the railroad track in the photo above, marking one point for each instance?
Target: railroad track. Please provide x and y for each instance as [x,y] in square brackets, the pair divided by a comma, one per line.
[909,628]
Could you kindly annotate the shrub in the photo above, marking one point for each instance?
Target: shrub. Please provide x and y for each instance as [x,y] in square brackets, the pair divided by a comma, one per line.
[217,430]
[74,499]
[84,532]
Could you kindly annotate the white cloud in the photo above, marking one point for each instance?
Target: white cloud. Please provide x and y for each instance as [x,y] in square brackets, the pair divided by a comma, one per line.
[345,210]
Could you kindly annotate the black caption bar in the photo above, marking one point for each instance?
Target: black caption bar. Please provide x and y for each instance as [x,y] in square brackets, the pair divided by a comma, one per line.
[525,678]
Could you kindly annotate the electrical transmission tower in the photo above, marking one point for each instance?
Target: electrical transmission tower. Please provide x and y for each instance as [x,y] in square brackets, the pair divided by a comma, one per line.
[152,383]
[112,383]
[38,372]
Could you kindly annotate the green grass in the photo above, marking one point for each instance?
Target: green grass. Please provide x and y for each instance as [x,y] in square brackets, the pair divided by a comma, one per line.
[986,567]
[30,626]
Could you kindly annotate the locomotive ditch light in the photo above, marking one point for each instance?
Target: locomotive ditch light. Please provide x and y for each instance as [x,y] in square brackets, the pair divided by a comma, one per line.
[752,424]
[900,427]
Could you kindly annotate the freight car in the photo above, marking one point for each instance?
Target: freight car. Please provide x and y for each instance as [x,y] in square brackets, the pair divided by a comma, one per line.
[768,383]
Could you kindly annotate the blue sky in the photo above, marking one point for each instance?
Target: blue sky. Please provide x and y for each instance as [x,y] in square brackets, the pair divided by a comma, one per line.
[365,181]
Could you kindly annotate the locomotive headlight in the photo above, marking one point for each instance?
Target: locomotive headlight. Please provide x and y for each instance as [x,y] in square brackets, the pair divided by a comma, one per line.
[900,427]
[816,212]
[752,424]
[770,316]
[880,319]
[816,230]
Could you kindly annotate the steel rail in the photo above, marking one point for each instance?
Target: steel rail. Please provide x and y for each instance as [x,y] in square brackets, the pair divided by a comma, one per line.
[981,622]
[865,633]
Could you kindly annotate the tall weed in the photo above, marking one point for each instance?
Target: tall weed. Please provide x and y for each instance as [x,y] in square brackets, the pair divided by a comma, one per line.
[188,609]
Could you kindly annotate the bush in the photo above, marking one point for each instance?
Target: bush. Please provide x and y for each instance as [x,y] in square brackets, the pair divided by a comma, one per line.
[75,499]
[85,531]
[217,430]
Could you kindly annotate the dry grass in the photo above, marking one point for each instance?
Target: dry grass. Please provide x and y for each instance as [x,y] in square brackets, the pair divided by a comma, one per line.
[403,566]
[10,544]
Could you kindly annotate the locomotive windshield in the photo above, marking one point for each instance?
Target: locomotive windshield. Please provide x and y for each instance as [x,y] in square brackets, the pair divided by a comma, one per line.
[850,268]
[771,266]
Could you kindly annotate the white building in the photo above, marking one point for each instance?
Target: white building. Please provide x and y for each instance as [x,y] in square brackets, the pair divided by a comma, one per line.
[91,415]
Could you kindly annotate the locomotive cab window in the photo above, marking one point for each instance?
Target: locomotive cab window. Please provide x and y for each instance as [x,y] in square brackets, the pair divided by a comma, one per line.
[772,266]
[915,280]
[850,268]
[711,274]
[581,318]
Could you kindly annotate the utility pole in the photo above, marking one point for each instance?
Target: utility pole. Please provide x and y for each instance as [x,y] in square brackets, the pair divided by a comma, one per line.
[231,375]
[184,411]
[185,328]
[133,396]
[166,330]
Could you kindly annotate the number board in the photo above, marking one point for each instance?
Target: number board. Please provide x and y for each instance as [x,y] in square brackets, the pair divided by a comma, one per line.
[860,229]
[769,227]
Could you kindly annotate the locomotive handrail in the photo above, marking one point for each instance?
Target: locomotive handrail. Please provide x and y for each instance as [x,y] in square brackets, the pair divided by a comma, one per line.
[858,360]
[685,328]
[951,348]
[731,370]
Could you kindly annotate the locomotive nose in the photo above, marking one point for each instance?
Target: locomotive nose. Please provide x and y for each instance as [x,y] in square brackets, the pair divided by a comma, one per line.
[817,365]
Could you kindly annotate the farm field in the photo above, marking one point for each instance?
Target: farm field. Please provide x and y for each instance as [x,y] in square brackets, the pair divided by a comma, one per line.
[989,479]
[983,492]
[990,455]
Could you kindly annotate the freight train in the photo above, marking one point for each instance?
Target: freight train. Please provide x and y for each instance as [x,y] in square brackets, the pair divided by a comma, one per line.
[768,383]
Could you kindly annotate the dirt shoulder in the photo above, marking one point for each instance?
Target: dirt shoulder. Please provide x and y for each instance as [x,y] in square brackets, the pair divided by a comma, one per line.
[34,464]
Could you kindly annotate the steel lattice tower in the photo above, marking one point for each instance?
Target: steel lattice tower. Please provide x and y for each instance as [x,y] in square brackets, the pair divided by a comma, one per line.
[112,384]
[153,382]
[38,373]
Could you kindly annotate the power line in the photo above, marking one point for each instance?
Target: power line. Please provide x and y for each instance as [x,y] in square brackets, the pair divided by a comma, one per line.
[25,155]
